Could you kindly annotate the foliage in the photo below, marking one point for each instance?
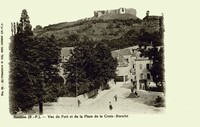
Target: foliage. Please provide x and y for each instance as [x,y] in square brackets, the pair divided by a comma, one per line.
[90,66]
[157,68]
[33,68]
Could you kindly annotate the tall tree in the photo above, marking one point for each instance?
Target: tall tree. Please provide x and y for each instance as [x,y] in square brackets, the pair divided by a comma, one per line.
[45,55]
[33,69]
[24,26]
[90,66]
[157,69]
[22,95]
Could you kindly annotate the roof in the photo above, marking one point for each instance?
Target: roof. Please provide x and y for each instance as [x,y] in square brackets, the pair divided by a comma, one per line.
[153,17]
[66,51]
[135,47]
[114,54]
[126,51]
[122,62]
[142,59]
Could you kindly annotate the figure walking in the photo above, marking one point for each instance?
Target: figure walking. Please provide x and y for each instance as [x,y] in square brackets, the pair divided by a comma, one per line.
[79,102]
[110,106]
[136,94]
[115,97]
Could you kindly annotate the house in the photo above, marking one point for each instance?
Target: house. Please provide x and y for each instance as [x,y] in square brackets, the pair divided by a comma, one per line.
[143,76]
[125,65]
[132,67]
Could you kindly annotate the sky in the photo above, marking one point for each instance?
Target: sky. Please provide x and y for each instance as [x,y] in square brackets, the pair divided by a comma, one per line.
[45,12]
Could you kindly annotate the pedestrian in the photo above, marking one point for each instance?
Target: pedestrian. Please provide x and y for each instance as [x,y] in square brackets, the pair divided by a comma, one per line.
[132,89]
[110,106]
[79,102]
[115,97]
[136,94]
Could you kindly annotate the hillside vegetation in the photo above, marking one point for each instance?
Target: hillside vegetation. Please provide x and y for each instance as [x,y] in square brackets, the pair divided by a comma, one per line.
[117,30]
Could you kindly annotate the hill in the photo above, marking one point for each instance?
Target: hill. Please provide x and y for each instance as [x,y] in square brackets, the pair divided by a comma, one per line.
[117,30]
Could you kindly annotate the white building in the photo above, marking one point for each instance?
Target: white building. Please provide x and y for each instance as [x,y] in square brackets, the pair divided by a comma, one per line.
[133,68]
[143,76]
[125,65]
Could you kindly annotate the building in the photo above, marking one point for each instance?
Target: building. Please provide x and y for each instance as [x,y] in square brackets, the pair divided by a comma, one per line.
[125,72]
[152,22]
[143,76]
[132,68]
[115,11]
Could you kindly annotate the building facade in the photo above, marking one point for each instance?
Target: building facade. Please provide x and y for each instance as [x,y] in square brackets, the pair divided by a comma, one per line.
[136,69]
[143,76]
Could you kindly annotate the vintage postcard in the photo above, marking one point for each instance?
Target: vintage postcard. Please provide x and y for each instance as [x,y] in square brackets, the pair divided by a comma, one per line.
[81,60]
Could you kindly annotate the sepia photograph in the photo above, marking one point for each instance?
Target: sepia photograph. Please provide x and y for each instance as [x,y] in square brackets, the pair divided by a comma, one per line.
[98,60]
[111,62]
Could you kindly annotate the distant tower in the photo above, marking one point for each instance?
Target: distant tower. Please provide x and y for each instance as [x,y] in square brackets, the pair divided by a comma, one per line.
[147,13]
[122,10]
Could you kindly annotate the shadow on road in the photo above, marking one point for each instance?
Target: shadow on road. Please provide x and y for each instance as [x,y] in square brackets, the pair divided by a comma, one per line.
[132,95]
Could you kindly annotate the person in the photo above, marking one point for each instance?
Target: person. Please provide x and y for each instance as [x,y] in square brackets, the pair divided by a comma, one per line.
[132,89]
[79,102]
[136,94]
[110,106]
[115,97]
[158,99]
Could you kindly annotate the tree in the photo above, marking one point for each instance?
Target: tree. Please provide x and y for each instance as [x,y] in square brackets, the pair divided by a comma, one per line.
[21,83]
[33,68]
[24,26]
[157,68]
[90,66]
[45,55]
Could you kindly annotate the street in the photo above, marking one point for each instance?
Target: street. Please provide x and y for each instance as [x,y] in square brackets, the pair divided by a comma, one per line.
[125,104]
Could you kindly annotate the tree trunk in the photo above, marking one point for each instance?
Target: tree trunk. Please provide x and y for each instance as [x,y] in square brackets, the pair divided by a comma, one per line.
[40,107]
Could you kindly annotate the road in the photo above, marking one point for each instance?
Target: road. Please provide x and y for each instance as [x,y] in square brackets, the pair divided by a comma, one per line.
[100,104]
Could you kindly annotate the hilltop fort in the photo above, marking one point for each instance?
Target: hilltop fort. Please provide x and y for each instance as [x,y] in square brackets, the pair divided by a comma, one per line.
[115,11]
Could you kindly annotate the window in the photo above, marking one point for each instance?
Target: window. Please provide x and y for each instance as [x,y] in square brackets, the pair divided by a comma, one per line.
[140,66]
[148,76]
[133,66]
[148,67]
[127,60]
[119,79]
[126,78]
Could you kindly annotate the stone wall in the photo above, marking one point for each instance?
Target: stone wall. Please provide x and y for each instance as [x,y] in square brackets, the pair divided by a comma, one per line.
[115,11]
